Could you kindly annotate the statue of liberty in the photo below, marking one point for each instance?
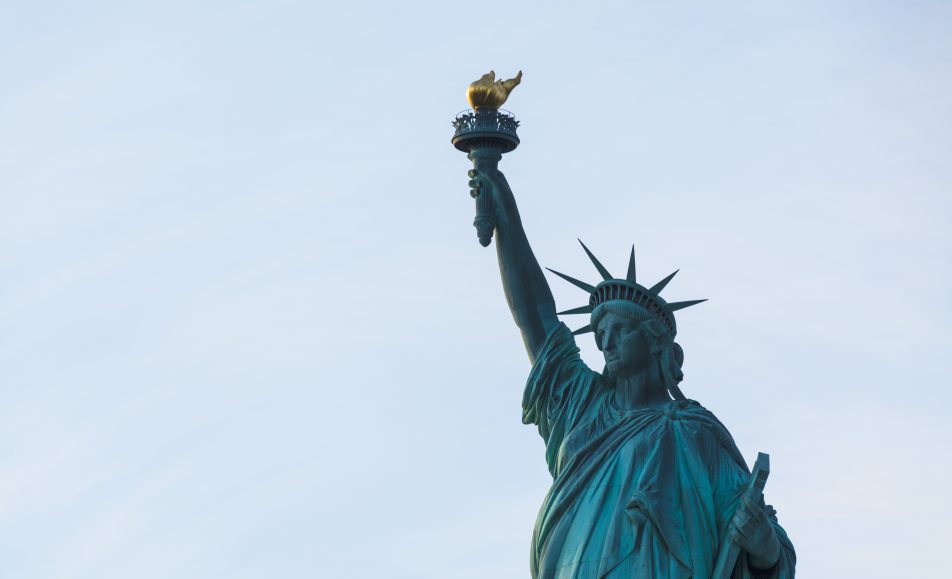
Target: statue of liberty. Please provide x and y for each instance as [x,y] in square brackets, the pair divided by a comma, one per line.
[645,483]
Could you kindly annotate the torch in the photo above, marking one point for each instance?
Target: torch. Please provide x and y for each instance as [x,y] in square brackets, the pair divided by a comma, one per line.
[485,132]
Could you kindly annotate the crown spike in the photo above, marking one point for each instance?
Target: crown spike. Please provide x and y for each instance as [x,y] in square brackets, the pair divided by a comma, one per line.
[601,268]
[631,266]
[583,330]
[579,310]
[573,281]
[675,306]
[656,288]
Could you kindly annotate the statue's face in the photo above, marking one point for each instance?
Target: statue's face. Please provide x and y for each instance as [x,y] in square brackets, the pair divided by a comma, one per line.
[624,344]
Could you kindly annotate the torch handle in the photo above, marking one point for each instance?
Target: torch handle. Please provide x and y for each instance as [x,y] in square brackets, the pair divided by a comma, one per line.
[485,221]
[484,160]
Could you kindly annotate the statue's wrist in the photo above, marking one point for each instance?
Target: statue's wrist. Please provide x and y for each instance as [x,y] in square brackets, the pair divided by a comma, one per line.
[507,219]
[768,560]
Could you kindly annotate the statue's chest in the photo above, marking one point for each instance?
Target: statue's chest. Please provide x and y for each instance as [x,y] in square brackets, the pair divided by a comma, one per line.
[607,435]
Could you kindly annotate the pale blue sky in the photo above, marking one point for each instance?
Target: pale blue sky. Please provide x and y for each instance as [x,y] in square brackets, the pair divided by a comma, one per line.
[246,329]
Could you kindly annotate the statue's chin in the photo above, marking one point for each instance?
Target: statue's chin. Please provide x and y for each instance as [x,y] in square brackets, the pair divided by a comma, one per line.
[618,373]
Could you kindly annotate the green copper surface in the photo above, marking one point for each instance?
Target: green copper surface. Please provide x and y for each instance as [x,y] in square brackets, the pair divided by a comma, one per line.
[645,483]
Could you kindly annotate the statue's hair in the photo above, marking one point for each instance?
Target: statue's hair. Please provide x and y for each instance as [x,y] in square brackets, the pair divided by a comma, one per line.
[660,339]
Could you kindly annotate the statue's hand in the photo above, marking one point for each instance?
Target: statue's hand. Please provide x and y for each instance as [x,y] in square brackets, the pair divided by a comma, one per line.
[752,530]
[487,179]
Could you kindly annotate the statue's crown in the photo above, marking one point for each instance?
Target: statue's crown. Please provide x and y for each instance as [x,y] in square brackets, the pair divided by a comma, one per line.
[628,290]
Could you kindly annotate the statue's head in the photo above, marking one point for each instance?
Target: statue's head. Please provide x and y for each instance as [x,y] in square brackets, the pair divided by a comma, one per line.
[634,341]
[634,326]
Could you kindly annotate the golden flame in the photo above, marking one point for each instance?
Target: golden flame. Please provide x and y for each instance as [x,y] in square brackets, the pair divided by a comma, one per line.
[489,92]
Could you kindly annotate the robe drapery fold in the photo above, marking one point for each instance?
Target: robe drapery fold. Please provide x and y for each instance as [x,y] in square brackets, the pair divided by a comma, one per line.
[636,493]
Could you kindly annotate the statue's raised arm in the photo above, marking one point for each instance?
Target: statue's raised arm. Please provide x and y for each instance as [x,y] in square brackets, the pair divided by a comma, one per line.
[527,291]
[485,133]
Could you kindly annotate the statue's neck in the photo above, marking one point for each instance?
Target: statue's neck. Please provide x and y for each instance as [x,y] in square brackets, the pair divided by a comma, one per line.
[643,390]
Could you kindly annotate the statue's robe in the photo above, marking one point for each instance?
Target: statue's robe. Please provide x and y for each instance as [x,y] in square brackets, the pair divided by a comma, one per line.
[636,493]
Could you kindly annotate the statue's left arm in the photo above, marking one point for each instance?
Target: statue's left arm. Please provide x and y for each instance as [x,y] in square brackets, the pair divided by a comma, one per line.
[752,524]
[753,530]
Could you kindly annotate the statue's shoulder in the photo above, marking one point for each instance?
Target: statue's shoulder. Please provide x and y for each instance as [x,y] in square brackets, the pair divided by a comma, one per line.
[688,409]
[707,426]
[692,411]
[695,407]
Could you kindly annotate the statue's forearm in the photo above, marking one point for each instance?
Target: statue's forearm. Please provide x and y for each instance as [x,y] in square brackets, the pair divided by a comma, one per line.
[524,284]
[527,291]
